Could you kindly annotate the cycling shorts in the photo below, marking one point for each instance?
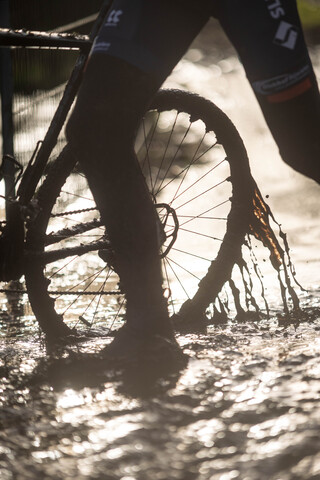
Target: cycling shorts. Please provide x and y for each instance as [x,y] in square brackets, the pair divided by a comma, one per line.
[154,34]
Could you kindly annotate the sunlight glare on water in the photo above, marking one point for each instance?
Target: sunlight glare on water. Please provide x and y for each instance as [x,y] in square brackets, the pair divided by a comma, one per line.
[247,405]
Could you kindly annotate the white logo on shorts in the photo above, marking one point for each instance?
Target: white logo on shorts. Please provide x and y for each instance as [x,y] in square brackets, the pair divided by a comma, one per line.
[281,82]
[114,18]
[287,35]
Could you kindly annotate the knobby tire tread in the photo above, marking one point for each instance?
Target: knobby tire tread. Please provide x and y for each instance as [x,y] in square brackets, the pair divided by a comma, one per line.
[237,224]
[37,286]
[227,135]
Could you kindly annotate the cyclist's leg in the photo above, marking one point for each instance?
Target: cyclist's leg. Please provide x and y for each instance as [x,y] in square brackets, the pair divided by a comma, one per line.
[122,75]
[269,39]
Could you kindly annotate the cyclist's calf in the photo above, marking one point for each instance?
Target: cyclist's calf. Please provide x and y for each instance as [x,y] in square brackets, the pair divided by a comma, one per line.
[111,102]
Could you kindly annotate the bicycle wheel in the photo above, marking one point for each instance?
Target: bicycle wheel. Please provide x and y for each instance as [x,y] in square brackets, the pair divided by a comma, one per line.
[197,171]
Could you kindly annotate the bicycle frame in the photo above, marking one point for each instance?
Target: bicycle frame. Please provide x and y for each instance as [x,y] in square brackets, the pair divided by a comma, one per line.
[28,255]
[19,38]
[23,38]
[18,205]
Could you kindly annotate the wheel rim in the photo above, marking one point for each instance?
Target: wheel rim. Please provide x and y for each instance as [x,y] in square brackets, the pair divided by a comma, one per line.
[187,170]
[190,180]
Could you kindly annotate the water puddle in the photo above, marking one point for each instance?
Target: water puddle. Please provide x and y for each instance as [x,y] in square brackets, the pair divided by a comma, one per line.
[245,406]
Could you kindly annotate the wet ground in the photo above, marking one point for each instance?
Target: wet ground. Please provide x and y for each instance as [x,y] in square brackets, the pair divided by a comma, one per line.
[247,403]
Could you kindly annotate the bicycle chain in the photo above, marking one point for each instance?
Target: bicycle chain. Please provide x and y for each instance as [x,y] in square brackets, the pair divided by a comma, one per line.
[74,212]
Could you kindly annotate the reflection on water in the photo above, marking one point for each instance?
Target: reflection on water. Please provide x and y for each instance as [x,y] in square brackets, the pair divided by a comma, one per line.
[247,405]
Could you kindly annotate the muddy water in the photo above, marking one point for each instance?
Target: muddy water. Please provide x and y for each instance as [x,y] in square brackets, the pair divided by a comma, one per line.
[247,404]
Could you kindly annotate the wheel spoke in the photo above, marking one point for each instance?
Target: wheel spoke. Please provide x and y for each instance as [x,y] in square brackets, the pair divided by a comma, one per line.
[201,234]
[172,160]
[81,317]
[202,216]
[191,254]
[192,162]
[183,268]
[93,276]
[117,315]
[197,181]
[177,278]
[165,152]
[75,195]
[175,177]
[179,154]
[201,194]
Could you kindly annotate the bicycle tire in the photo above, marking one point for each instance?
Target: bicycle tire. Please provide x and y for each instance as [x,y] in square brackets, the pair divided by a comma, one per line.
[211,121]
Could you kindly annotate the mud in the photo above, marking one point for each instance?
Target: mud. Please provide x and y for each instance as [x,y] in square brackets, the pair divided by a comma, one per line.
[245,405]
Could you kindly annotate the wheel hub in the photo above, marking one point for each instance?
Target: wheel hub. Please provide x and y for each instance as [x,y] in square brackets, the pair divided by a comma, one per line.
[167,231]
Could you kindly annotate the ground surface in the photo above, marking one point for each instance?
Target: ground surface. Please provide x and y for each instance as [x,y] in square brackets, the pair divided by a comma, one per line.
[247,404]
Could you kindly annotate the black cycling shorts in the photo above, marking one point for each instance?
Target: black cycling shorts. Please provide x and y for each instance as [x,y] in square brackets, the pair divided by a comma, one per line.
[154,34]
